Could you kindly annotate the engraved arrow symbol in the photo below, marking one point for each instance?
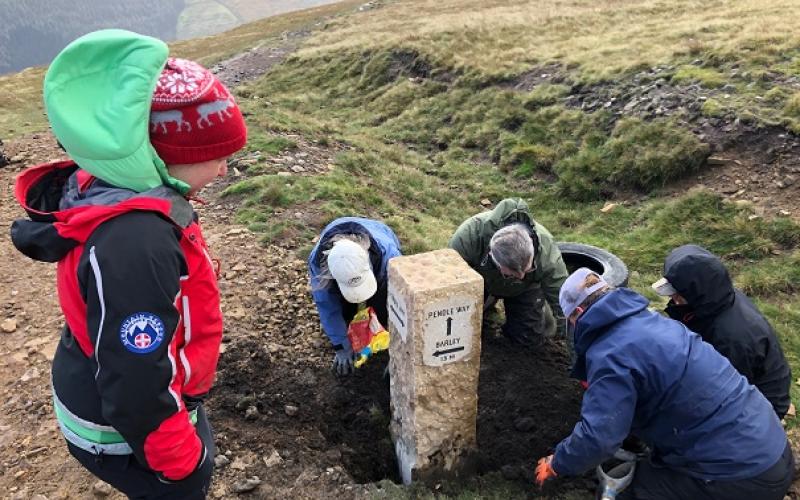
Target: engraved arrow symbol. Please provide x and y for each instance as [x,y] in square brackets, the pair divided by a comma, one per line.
[449,326]
[448,351]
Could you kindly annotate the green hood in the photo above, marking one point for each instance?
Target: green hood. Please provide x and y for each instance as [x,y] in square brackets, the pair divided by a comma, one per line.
[97,93]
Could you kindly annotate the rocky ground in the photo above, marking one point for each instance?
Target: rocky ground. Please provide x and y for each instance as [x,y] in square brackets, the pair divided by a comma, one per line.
[751,164]
[285,424]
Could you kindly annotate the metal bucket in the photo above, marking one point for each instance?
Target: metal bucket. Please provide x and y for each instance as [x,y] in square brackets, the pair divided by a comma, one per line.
[615,480]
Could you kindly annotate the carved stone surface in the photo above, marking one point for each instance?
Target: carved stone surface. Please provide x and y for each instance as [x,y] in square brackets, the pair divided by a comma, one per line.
[435,307]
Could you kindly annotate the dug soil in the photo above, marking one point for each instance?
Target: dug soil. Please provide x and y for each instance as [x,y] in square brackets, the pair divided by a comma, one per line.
[285,424]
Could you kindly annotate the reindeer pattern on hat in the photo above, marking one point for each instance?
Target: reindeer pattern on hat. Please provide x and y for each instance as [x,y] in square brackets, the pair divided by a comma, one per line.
[220,107]
[161,118]
[188,83]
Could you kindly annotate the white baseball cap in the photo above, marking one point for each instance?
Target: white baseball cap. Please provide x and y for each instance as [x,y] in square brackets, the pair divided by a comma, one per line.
[349,266]
[573,294]
[664,287]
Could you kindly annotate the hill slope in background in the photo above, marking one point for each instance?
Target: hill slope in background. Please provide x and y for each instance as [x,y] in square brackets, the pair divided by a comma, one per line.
[28,37]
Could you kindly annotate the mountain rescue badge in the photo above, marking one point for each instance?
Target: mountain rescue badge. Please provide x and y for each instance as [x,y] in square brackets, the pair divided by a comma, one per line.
[142,332]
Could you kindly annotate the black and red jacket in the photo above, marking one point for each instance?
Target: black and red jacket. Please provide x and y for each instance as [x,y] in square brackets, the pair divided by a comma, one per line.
[139,293]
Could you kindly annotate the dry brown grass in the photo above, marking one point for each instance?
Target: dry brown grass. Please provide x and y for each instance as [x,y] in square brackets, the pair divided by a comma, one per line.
[21,106]
[251,10]
[603,37]
[211,49]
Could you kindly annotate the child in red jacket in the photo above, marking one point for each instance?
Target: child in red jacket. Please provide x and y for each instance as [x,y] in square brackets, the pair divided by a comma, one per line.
[136,283]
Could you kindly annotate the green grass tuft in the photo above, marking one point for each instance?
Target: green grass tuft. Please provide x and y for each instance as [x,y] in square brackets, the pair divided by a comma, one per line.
[707,77]
[639,155]
[713,108]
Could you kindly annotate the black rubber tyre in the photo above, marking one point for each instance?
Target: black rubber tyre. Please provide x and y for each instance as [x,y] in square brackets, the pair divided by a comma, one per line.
[608,265]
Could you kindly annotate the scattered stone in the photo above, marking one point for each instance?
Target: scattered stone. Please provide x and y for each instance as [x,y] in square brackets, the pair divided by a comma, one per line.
[486,202]
[251,413]
[608,207]
[791,412]
[221,461]
[39,497]
[246,485]
[297,169]
[31,374]
[719,161]
[102,489]
[284,174]
[291,410]
[274,459]
[239,464]
[239,267]
[245,402]
[305,478]
[334,455]
[524,424]
[9,325]
[236,313]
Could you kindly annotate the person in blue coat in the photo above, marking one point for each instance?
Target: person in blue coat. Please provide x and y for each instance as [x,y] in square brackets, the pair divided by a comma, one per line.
[712,434]
[347,267]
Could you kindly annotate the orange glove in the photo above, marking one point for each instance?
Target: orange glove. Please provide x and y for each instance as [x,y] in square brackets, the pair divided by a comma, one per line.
[544,470]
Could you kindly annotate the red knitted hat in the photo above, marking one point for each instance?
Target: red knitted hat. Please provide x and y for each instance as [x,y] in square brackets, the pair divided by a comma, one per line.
[193,117]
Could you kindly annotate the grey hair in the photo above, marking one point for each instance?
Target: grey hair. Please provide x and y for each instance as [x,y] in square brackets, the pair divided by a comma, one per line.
[324,278]
[512,247]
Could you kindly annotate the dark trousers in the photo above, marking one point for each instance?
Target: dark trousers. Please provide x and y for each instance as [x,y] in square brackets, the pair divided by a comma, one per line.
[661,483]
[529,319]
[126,474]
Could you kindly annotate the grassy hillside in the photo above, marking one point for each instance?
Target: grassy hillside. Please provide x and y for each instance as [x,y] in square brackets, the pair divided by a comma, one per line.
[448,103]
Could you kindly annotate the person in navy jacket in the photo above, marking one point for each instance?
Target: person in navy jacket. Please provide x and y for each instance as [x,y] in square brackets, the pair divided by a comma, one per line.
[347,267]
[712,434]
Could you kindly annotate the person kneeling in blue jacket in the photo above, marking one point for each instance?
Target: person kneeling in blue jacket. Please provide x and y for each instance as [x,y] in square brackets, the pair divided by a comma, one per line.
[347,267]
[712,434]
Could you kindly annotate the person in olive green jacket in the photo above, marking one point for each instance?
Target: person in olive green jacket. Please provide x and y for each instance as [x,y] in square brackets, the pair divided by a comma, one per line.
[520,264]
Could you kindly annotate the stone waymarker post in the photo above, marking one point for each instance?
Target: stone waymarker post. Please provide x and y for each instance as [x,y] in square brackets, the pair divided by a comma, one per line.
[435,304]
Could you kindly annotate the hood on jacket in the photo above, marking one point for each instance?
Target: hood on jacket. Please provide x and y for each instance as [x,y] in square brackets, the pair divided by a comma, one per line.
[512,211]
[98,93]
[701,278]
[65,204]
[612,307]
